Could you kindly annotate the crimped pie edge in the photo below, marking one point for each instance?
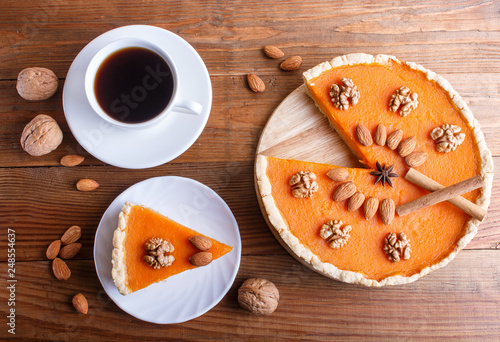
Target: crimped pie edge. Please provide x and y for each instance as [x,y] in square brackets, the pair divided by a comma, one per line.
[119,270]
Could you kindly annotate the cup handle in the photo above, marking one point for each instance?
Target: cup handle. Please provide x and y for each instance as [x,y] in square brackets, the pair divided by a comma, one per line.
[188,107]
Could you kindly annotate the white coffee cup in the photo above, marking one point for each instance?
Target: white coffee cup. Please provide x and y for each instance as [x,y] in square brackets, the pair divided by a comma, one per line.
[175,104]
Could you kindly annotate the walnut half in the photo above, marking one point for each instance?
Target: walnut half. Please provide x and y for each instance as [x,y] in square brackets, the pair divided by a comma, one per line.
[402,98]
[397,247]
[447,137]
[303,184]
[342,94]
[159,253]
[334,235]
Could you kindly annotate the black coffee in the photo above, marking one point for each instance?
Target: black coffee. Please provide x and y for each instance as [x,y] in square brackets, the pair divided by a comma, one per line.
[133,85]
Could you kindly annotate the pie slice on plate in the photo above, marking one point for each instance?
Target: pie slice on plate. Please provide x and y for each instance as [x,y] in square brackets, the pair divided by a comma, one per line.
[342,223]
[149,247]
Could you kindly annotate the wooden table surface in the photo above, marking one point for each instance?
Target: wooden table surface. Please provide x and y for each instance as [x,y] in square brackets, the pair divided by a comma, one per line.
[38,201]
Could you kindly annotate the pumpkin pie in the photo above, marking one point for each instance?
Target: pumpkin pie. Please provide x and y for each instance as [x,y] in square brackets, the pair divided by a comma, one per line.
[149,247]
[323,217]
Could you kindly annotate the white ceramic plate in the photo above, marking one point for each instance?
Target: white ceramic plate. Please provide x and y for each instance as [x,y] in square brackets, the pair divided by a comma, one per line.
[191,293]
[138,149]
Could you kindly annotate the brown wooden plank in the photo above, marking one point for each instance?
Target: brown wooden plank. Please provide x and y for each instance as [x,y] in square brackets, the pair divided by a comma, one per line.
[235,123]
[440,35]
[460,301]
[41,203]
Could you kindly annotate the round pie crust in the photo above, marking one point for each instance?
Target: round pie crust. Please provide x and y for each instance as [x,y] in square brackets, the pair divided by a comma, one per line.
[305,255]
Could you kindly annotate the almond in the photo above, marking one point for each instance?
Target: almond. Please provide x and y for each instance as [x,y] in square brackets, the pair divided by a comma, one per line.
[344,191]
[60,269]
[71,235]
[394,138]
[255,83]
[338,174]
[201,259]
[87,185]
[72,160]
[291,63]
[356,201]
[387,209]
[363,134]
[380,135]
[272,51]
[201,242]
[53,249]
[80,303]
[69,251]
[407,146]
[370,207]
[416,159]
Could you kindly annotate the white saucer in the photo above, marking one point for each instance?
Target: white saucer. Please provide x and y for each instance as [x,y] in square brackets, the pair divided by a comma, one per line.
[137,149]
[189,294]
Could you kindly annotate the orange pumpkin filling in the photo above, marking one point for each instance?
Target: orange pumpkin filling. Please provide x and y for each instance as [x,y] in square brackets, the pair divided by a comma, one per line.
[433,231]
[144,224]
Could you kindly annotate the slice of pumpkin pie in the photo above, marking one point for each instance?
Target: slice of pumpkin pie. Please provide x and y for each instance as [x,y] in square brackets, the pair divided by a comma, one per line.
[149,247]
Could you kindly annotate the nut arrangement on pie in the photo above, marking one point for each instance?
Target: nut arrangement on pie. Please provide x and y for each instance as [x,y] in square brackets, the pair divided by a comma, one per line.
[393,115]
[149,247]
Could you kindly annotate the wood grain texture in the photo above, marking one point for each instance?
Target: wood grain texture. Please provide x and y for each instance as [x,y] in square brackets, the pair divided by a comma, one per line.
[298,130]
[237,118]
[52,204]
[431,33]
[41,203]
[458,39]
[349,312]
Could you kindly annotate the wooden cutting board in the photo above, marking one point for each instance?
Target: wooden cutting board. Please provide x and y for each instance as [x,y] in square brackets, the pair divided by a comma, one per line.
[298,130]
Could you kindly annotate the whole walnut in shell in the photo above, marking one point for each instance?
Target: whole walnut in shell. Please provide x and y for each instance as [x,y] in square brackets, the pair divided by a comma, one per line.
[259,296]
[36,84]
[41,135]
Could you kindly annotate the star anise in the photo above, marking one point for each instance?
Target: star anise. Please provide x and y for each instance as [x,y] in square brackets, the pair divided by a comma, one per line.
[384,174]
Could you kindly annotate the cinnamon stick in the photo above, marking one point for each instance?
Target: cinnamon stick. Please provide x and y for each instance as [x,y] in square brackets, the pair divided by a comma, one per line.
[429,184]
[444,194]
